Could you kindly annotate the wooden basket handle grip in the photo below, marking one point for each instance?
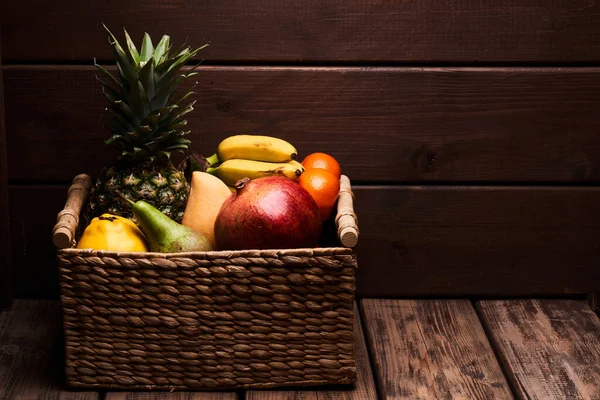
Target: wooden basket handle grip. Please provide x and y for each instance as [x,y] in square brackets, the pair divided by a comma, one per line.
[346,220]
[63,234]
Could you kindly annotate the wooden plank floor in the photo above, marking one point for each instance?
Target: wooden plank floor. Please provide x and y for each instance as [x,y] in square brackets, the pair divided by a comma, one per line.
[406,349]
[549,348]
[432,349]
[30,353]
[169,396]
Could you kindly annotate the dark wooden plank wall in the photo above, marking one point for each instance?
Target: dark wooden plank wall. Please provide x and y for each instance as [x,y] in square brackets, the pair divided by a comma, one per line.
[384,124]
[5,245]
[561,31]
[477,174]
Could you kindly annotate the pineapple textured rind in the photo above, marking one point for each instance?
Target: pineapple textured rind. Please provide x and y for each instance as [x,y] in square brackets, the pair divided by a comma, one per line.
[161,185]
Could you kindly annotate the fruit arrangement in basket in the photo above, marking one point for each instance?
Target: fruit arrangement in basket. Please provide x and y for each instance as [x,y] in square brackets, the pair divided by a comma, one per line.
[252,193]
[279,312]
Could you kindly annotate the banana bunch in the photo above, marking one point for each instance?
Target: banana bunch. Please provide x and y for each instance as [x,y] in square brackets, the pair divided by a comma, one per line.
[254,156]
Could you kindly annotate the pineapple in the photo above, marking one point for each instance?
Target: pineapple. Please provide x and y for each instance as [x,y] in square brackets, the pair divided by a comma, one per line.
[146,126]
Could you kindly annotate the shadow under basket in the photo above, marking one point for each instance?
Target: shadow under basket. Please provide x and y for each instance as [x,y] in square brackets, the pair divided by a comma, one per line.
[208,320]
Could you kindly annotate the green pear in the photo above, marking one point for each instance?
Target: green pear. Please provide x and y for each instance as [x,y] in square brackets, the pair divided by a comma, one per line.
[165,235]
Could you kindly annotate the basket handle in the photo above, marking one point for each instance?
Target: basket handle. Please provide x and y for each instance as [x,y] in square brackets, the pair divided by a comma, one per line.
[63,234]
[346,220]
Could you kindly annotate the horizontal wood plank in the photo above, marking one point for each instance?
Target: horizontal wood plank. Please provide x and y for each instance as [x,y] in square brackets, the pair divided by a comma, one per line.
[481,240]
[31,356]
[428,349]
[363,389]
[414,241]
[550,348]
[383,124]
[170,396]
[313,30]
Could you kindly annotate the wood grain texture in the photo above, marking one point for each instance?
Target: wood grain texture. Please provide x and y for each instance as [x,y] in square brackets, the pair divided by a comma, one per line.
[5,246]
[382,124]
[415,241]
[550,348]
[459,240]
[313,30]
[364,388]
[170,396]
[429,349]
[31,356]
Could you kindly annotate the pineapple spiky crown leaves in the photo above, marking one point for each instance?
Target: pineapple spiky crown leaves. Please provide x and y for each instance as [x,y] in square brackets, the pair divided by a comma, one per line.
[146,124]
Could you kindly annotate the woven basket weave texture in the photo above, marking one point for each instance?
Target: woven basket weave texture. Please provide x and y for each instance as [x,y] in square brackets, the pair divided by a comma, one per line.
[208,320]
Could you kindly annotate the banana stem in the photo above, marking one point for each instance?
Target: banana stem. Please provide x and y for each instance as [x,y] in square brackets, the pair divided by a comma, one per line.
[211,170]
[212,160]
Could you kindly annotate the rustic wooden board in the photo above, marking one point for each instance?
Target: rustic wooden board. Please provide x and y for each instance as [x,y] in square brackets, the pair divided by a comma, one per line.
[364,388]
[414,241]
[424,241]
[383,124]
[31,358]
[550,349]
[425,349]
[5,247]
[313,30]
[170,396]
[457,240]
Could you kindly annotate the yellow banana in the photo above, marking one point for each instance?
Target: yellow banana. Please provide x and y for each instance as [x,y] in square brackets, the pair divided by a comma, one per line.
[233,170]
[254,147]
[297,165]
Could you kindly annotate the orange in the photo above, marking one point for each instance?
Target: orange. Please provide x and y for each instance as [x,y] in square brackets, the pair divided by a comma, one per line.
[323,186]
[322,161]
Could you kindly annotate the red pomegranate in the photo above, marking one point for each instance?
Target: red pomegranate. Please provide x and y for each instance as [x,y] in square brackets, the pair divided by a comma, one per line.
[273,212]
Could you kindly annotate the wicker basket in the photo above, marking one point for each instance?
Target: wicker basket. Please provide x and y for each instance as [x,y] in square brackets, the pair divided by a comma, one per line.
[207,320]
